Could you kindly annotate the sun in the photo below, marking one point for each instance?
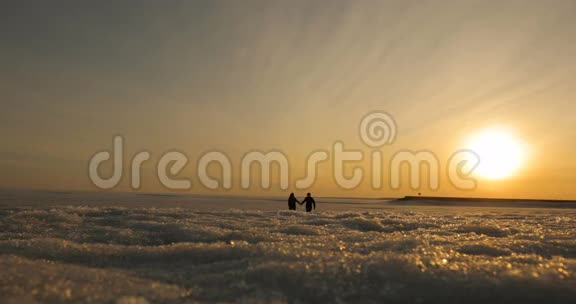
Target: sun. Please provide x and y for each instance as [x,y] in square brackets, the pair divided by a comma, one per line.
[501,154]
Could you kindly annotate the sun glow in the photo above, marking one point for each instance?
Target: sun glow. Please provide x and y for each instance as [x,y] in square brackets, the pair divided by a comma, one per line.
[501,153]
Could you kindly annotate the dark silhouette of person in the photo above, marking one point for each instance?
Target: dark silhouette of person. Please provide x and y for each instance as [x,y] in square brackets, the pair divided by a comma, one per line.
[310,203]
[292,202]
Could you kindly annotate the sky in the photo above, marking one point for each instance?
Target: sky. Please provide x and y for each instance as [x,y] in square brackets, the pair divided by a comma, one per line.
[289,76]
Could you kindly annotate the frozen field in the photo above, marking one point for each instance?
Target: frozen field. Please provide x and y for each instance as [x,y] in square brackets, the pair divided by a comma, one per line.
[82,249]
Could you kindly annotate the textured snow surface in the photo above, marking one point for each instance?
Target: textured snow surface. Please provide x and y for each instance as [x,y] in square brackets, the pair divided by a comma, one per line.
[119,255]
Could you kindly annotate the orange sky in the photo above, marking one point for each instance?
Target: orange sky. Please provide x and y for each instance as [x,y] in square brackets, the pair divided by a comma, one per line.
[292,76]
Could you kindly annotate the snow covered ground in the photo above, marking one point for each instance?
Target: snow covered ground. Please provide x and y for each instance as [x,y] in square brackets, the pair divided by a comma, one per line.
[81,251]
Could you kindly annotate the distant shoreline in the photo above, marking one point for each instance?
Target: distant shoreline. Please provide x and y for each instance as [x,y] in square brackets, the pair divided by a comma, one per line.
[483,202]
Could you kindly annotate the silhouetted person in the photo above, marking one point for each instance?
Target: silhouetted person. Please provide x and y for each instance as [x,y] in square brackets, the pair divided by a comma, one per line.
[310,203]
[292,202]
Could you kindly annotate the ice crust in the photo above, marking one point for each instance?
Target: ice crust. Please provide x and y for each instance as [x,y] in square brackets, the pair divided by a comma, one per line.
[74,254]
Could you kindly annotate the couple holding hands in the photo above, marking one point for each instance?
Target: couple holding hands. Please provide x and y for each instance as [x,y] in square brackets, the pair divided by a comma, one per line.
[309,201]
